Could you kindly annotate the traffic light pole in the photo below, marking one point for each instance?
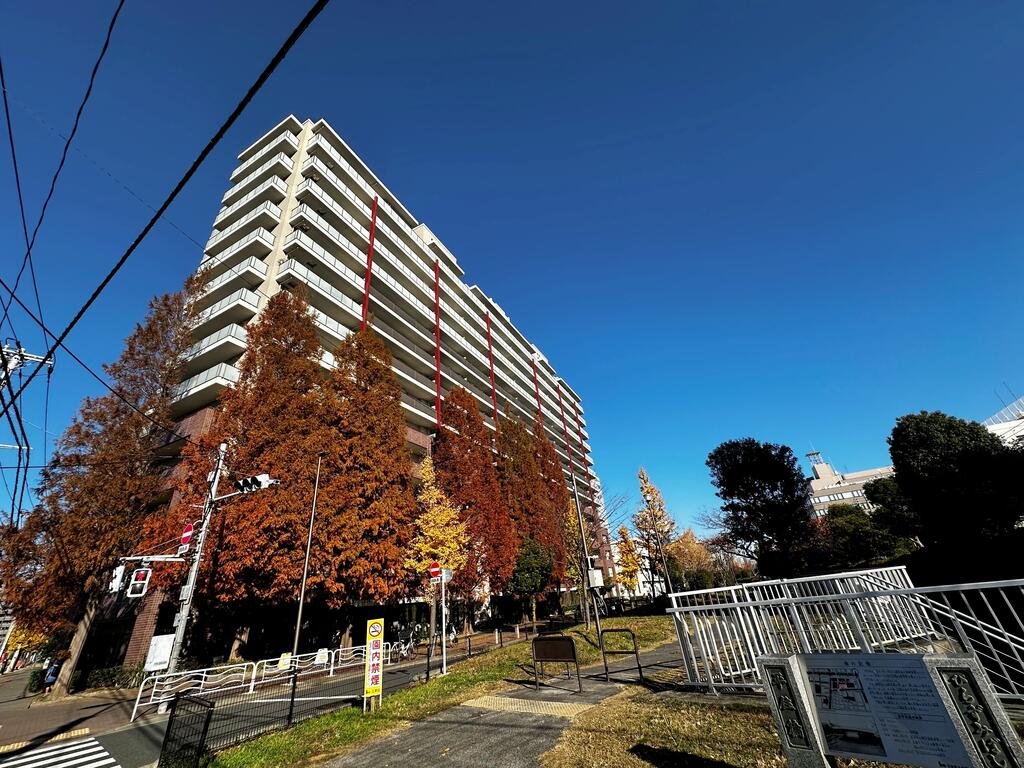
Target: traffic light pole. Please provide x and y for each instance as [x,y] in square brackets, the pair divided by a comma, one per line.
[187,591]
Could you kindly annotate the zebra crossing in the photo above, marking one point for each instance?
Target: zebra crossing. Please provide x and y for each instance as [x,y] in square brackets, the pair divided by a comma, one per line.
[84,753]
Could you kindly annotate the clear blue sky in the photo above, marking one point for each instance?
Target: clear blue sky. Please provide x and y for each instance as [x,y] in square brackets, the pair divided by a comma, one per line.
[795,221]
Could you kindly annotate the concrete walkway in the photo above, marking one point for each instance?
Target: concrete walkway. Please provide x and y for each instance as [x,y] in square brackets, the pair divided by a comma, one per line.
[508,730]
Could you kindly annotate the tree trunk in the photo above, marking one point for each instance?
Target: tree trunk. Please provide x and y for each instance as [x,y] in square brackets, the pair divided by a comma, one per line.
[63,685]
[346,636]
[533,612]
[240,640]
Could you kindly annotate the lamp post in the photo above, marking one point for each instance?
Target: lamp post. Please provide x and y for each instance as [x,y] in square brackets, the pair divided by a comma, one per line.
[661,551]
[586,559]
[305,564]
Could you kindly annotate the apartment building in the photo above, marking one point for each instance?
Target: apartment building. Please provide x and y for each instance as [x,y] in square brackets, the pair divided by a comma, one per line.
[829,487]
[1008,424]
[304,209]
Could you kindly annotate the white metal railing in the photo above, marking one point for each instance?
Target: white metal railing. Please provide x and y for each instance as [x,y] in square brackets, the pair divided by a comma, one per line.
[243,169]
[280,158]
[253,263]
[218,238]
[227,211]
[244,677]
[224,371]
[721,632]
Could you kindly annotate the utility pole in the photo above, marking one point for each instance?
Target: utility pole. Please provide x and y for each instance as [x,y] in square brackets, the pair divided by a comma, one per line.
[16,357]
[187,591]
[305,564]
[586,558]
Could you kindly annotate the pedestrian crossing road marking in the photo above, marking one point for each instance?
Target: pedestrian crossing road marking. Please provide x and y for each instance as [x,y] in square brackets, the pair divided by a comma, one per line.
[85,753]
[59,737]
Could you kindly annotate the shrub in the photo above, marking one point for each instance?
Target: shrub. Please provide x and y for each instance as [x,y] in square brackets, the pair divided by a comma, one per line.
[35,680]
[109,677]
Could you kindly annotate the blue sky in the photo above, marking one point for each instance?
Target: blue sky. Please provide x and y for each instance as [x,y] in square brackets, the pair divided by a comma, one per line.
[794,221]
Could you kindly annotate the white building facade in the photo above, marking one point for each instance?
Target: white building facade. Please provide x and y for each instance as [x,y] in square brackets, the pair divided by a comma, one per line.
[304,209]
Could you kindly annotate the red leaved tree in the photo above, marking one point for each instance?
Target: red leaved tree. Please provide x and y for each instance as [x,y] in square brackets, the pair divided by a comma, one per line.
[464,461]
[550,523]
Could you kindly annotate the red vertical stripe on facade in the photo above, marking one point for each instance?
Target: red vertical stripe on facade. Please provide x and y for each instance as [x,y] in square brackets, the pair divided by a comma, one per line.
[437,341]
[369,263]
[490,357]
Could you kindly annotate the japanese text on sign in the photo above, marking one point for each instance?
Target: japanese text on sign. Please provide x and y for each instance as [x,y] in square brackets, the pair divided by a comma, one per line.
[374,674]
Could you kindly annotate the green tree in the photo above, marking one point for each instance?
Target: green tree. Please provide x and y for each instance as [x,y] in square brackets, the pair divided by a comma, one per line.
[892,509]
[848,537]
[947,467]
[765,513]
[532,573]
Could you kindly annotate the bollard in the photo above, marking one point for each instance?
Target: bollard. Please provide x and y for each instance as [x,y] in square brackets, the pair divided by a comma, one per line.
[495,637]
[469,646]
[517,631]
[291,701]
[501,639]
[430,648]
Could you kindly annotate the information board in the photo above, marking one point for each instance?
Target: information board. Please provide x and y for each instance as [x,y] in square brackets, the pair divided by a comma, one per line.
[374,675]
[159,655]
[881,706]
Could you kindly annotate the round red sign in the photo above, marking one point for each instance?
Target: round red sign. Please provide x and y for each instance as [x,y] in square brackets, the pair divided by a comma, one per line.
[435,569]
[186,535]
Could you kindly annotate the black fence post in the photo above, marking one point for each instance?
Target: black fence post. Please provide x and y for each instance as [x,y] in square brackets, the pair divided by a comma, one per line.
[291,701]
[501,639]
[430,650]
[469,646]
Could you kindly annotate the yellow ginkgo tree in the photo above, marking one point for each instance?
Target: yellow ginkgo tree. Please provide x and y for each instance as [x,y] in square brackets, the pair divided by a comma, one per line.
[441,536]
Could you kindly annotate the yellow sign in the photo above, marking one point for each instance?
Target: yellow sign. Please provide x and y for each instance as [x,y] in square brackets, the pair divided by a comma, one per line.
[374,675]
[285,662]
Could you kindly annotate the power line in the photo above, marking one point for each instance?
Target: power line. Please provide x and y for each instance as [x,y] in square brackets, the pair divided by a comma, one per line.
[293,38]
[29,242]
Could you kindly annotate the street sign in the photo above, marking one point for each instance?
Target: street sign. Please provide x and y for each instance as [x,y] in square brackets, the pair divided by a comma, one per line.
[434,570]
[186,534]
[446,575]
[374,674]
[116,579]
[435,579]
[139,582]
[159,655]
[285,662]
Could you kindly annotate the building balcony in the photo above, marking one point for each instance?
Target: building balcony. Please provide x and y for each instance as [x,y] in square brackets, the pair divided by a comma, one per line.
[273,189]
[290,124]
[248,274]
[238,307]
[203,389]
[227,343]
[285,142]
[255,245]
[279,165]
[266,215]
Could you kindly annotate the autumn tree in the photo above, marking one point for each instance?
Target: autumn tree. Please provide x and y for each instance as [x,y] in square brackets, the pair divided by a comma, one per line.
[765,513]
[532,573]
[549,524]
[654,526]
[373,495]
[440,536]
[464,463]
[629,563]
[105,477]
[522,487]
[695,561]
[574,562]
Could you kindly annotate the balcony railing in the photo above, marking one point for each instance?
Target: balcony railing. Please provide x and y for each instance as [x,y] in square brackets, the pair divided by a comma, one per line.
[287,138]
[219,240]
[228,214]
[220,373]
[253,267]
[256,176]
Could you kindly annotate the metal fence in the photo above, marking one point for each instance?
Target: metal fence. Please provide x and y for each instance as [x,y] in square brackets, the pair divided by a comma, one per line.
[722,632]
[185,739]
[243,677]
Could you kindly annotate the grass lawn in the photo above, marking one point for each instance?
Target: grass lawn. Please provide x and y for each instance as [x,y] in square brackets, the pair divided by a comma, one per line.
[334,733]
[639,729]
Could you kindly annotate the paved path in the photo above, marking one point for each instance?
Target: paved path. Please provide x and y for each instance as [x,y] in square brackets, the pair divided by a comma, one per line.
[80,753]
[510,730]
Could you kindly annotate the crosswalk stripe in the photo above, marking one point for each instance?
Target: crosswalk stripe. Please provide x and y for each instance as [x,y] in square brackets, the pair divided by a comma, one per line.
[87,753]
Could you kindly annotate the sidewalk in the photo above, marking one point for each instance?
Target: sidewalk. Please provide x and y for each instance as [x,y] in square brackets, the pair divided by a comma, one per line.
[509,730]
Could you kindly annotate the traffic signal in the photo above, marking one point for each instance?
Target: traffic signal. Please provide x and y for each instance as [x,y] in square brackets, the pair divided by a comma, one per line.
[116,579]
[254,483]
[139,582]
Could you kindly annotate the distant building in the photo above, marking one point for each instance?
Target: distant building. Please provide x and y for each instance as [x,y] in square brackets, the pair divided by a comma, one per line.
[1008,424]
[829,487]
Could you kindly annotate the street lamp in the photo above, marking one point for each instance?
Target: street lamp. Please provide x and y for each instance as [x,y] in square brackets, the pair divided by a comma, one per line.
[305,564]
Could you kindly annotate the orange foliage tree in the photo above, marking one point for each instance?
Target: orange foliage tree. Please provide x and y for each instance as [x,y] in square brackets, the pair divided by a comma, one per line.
[104,479]
[464,462]
[550,523]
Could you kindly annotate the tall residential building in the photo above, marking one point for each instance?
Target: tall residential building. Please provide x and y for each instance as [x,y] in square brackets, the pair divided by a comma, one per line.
[829,487]
[1008,424]
[304,209]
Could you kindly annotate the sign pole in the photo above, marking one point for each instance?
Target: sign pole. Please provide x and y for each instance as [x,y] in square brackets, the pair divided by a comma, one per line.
[444,632]
[185,606]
